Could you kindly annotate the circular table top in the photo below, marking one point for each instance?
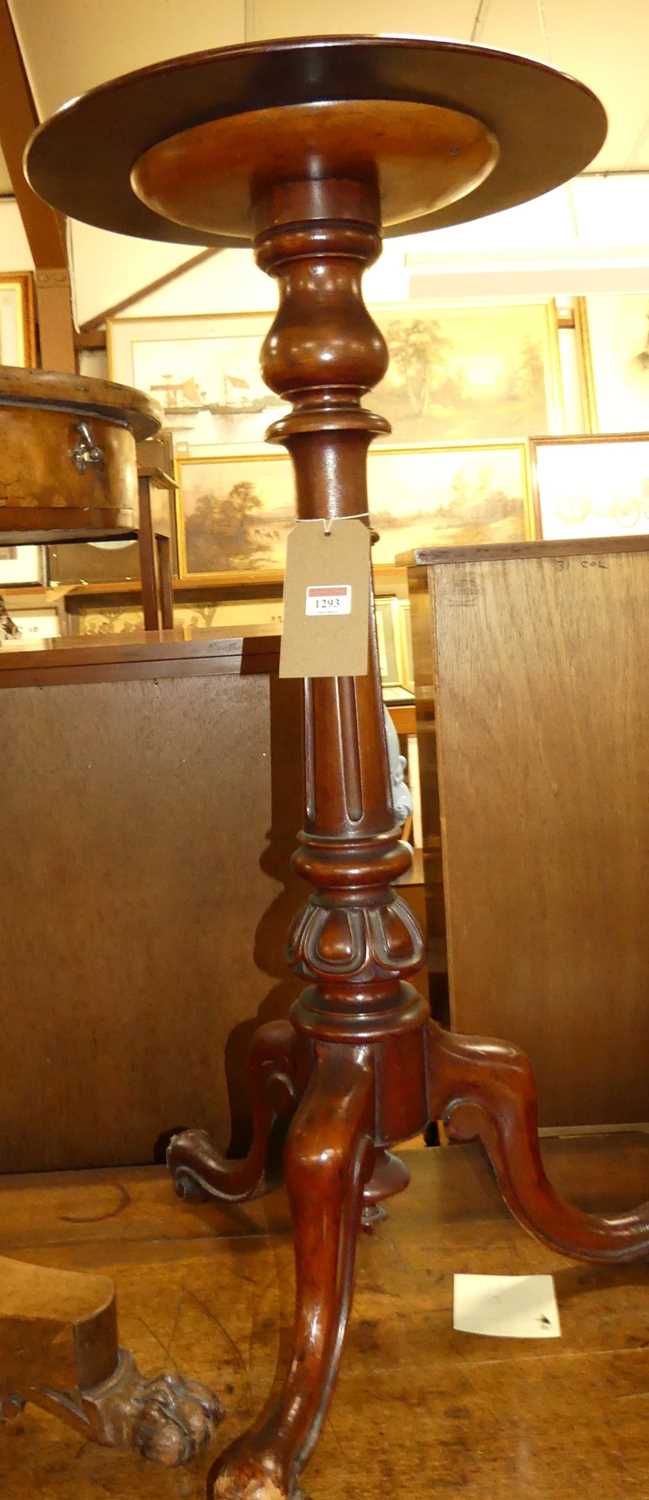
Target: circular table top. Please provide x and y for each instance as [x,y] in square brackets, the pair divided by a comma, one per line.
[547,126]
[82,395]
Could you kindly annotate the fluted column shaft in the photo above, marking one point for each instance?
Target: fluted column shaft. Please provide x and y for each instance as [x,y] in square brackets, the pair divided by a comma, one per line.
[355,940]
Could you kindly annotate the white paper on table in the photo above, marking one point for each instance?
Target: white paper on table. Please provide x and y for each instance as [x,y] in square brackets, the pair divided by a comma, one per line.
[506,1307]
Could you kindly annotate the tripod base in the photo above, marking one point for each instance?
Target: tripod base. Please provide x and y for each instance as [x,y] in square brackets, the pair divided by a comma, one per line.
[335,1170]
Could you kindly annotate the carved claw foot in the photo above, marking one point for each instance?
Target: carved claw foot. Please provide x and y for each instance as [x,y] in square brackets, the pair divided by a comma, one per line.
[59,1350]
[167,1419]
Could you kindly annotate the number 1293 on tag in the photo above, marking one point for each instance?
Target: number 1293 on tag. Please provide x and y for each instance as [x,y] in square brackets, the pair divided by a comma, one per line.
[328,599]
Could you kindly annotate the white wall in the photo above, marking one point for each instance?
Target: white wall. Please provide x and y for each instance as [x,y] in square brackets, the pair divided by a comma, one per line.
[15,254]
[592,235]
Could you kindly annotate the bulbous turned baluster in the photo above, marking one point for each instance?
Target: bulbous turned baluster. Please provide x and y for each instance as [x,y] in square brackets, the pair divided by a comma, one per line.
[356,941]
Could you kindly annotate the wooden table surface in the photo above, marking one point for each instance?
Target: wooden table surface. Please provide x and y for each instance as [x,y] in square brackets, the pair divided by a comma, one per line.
[420,1411]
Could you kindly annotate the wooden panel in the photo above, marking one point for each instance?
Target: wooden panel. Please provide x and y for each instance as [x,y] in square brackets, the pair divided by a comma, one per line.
[152,795]
[146,828]
[543,733]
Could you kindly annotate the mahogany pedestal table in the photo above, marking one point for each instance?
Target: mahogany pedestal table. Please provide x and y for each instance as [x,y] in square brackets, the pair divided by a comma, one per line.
[311,149]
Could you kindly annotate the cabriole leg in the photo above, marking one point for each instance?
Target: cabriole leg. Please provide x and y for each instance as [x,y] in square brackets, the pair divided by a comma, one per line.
[329,1157]
[486,1088]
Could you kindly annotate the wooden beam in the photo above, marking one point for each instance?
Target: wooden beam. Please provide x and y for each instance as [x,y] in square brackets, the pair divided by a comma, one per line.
[96,339]
[18,118]
[92,324]
[53,301]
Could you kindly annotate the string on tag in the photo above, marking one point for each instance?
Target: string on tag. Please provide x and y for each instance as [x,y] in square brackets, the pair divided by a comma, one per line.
[327,521]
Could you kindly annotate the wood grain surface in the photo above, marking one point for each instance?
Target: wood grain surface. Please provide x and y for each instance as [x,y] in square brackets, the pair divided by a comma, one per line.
[542,723]
[442,1412]
[138,952]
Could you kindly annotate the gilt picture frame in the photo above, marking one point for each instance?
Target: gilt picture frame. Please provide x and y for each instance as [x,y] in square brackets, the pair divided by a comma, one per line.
[204,371]
[479,372]
[590,486]
[21,565]
[235,512]
[17,319]
[617,334]
[458,373]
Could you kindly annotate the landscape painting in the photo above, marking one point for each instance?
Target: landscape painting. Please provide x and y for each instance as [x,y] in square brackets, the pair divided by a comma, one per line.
[618,331]
[236,513]
[592,486]
[456,374]
[448,497]
[469,373]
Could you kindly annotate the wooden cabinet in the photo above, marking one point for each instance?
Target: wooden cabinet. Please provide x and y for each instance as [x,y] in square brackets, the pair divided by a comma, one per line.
[151,794]
[532,672]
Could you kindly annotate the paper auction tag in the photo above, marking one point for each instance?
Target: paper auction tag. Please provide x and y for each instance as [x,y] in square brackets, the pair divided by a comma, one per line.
[326,600]
[506,1307]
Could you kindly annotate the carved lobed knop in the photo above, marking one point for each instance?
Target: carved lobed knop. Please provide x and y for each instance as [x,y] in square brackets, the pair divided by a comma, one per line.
[360,943]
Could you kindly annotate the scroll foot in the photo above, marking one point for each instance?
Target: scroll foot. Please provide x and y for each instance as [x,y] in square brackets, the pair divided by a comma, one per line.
[486,1089]
[200,1172]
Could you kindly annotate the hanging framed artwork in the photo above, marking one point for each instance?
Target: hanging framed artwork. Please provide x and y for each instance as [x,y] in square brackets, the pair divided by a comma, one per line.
[42,624]
[618,337]
[204,371]
[235,512]
[21,565]
[457,374]
[17,320]
[591,486]
[469,373]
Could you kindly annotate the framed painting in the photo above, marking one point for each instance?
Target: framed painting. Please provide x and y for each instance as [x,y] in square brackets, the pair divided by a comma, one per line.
[394,642]
[457,374]
[37,624]
[618,336]
[21,565]
[469,374]
[235,513]
[454,496]
[90,617]
[592,486]
[204,371]
[17,320]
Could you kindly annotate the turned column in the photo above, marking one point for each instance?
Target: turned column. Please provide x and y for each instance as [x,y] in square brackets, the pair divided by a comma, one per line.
[356,941]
